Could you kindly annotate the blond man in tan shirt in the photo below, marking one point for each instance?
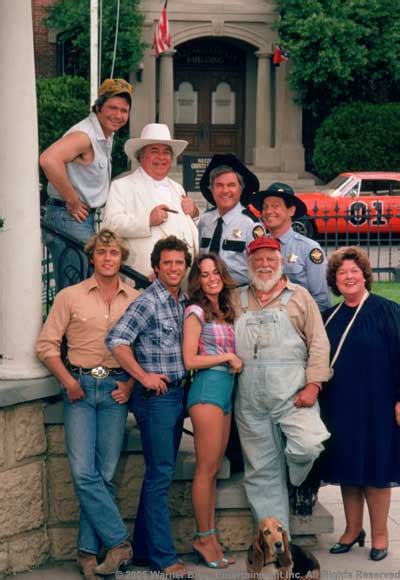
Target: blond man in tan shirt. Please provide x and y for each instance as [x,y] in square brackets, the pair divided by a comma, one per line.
[281,339]
[96,392]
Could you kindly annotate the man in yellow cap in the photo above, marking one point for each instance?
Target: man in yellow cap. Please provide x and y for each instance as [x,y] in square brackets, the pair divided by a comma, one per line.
[78,167]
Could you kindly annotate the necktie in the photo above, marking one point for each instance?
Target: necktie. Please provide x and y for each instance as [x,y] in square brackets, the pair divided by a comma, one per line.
[216,239]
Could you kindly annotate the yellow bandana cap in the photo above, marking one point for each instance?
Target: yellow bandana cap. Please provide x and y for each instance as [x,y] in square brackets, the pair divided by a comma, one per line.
[113,87]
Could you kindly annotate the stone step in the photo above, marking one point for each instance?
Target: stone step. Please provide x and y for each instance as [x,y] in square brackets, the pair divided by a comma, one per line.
[231,495]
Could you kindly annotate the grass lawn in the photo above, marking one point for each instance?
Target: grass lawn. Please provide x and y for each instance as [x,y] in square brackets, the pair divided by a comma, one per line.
[390,290]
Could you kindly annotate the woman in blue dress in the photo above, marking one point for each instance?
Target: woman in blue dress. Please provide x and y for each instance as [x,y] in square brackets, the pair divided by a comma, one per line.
[361,404]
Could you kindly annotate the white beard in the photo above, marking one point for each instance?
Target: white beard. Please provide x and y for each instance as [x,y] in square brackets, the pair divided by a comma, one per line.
[265,285]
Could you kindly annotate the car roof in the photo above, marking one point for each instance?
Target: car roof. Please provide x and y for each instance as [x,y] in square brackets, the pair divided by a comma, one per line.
[373,174]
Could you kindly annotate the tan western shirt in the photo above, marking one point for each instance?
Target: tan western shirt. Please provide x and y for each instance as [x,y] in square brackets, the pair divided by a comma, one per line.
[81,313]
[306,318]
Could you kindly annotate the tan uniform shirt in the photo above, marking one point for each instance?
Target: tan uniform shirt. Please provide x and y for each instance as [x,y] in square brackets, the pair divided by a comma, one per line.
[81,313]
[306,318]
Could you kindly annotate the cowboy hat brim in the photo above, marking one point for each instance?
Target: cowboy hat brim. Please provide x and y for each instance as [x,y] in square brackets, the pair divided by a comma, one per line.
[251,183]
[301,208]
[134,145]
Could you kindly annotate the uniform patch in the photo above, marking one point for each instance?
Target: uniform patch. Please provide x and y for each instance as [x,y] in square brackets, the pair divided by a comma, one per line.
[316,256]
[258,231]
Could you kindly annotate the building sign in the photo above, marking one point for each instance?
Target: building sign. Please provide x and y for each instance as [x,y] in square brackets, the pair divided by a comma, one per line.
[193,169]
[209,54]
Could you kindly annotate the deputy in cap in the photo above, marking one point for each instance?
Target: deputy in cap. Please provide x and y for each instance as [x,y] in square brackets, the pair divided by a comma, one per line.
[304,260]
[147,205]
[78,167]
[282,341]
[229,227]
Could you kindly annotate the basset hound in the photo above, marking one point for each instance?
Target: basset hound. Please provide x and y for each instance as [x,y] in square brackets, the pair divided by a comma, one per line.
[271,546]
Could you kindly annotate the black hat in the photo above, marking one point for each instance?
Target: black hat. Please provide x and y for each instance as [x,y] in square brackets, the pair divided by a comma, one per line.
[286,193]
[251,183]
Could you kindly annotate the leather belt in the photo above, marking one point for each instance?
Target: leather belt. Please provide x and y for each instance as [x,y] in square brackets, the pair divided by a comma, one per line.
[61,203]
[98,372]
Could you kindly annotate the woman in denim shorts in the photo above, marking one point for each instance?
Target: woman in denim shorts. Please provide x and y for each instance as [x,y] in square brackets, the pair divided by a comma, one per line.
[209,348]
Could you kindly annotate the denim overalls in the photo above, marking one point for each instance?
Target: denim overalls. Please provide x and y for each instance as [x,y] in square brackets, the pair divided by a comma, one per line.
[276,436]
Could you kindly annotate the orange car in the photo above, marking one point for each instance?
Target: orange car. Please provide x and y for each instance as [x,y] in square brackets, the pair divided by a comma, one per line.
[352,203]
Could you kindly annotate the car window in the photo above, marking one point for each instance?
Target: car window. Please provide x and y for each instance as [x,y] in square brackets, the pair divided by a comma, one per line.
[350,189]
[375,187]
[395,188]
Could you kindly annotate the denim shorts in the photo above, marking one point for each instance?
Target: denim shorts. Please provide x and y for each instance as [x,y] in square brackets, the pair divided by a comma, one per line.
[213,387]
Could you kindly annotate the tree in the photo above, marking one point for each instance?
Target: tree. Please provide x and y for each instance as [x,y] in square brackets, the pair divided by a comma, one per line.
[342,51]
[72,19]
[358,137]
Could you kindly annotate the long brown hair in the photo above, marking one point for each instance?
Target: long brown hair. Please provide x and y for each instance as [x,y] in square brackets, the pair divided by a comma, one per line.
[197,296]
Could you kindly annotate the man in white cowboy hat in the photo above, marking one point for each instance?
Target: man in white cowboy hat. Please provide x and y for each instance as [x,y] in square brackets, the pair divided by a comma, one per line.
[304,261]
[78,167]
[147,205]
[229,227]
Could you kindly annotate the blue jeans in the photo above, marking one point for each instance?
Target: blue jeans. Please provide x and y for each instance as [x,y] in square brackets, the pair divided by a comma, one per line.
[160,420]
[70,265]
[94,433]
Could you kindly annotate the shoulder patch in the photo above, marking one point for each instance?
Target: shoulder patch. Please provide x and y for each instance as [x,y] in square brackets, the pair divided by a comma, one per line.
[250,214]
[316,256]
[258,231]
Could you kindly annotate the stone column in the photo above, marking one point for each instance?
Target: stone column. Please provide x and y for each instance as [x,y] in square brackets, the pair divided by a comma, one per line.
[264,155]
[166,89]
[20,246]
[288,124]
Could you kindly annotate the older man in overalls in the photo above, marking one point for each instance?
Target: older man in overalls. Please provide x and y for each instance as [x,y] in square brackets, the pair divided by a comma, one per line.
[282,342]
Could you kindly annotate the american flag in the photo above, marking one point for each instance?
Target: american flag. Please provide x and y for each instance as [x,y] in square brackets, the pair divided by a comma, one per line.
[162,38]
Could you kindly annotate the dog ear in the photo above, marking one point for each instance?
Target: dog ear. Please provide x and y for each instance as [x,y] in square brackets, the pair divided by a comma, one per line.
[255,555]
[285,559]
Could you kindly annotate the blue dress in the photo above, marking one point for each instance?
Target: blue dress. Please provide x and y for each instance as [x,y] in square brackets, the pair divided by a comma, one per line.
[357,405]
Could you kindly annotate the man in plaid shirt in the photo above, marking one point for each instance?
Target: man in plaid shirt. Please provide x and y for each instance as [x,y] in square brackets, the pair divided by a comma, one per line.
[152,325]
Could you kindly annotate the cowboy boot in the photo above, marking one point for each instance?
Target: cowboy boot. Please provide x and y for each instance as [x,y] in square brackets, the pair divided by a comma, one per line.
[86,563]
[116,557]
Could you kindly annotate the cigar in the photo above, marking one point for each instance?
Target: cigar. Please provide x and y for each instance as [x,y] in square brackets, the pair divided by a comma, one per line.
[171,210]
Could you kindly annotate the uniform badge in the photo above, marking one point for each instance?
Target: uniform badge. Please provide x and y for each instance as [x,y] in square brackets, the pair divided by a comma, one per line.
[292,258]
[258,232]
[316,256]
[237,233]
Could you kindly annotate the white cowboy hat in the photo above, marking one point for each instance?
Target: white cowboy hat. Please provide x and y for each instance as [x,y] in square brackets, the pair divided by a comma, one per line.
[151,134]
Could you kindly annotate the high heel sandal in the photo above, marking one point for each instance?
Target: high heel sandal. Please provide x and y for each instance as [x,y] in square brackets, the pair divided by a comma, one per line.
[215,564]
[340,548]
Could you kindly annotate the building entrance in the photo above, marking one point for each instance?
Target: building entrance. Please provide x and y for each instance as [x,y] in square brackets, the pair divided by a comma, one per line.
[209,80]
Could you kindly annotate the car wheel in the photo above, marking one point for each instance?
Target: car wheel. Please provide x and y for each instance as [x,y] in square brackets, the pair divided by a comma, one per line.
[305,226]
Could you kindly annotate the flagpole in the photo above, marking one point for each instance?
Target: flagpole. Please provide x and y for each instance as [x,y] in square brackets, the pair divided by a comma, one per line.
[94,50]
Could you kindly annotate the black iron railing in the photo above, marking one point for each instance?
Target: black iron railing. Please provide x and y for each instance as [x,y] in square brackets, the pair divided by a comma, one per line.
[76,271]
[377,232]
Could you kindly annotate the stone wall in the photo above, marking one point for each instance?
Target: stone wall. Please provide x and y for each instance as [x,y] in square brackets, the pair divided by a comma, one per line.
[24,540]
[39,511]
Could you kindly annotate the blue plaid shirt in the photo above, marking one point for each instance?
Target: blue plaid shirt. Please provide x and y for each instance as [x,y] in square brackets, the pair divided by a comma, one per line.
[153,325]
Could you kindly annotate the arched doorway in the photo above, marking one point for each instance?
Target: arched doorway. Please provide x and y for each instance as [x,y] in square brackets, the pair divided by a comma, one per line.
[209,86]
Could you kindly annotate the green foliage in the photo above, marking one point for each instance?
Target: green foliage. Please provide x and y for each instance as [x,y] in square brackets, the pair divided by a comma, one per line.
[342,50]
[62,102]
[358,137]
[72,17]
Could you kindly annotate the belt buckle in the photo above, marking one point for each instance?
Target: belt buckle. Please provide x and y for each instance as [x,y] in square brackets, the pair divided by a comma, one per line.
[99,373]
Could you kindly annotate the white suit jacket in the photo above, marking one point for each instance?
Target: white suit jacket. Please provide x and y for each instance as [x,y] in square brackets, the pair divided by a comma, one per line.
[127,212]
